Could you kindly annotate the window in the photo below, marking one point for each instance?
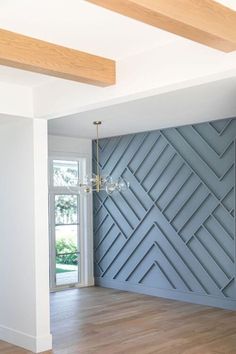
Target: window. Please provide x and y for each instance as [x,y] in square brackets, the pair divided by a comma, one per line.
[65,172]
[66,211]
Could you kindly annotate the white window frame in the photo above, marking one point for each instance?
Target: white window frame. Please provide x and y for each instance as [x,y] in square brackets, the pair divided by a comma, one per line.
[85,227]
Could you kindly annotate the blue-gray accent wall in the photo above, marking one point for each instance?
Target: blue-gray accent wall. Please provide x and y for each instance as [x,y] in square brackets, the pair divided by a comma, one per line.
[172,234]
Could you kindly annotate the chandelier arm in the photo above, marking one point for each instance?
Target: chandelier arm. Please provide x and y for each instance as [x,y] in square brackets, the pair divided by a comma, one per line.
[101,183]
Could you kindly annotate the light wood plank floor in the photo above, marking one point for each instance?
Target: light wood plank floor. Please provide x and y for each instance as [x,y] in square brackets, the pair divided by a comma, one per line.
[105,321]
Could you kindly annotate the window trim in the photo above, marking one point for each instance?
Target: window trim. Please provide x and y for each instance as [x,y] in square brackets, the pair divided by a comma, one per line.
[85,218]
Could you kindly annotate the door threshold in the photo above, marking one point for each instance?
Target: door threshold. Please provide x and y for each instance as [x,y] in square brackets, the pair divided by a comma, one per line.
[69,287]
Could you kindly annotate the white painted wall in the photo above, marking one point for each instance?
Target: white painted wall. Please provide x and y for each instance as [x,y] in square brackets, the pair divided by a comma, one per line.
[66,147]
[70,146]
[24,295]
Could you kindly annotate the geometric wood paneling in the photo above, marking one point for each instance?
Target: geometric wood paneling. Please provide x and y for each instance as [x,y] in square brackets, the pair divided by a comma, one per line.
[174,229]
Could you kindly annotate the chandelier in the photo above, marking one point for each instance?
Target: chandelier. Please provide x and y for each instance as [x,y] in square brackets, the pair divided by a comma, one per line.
[96,182]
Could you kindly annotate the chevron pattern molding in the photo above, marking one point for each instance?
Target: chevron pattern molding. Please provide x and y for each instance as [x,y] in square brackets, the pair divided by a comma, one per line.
[173,233]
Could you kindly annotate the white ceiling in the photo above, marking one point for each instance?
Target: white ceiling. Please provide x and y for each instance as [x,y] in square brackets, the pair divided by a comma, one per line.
[187,106]
[79,25]
[228,3]
[76,24]
[149,60]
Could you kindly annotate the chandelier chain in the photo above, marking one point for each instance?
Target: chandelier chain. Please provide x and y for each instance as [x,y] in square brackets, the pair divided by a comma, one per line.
[98,169]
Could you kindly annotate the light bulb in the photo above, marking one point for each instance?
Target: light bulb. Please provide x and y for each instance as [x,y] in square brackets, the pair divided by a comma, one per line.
[111,188]
[122,184]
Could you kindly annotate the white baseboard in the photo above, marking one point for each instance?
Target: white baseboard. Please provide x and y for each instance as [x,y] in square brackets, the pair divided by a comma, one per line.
[26,341]
[91,282]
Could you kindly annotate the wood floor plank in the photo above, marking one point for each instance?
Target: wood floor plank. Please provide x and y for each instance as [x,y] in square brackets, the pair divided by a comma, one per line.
[106,321]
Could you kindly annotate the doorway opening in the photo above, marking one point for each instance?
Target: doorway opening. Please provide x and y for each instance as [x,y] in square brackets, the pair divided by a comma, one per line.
[67,214]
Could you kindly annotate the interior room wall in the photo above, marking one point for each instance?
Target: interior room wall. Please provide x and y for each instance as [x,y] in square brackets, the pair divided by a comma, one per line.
[24,295]
[71,146]
[172,234]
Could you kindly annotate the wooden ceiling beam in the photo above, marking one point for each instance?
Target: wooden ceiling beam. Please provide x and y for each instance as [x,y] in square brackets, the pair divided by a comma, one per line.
[204,21]
[42,57]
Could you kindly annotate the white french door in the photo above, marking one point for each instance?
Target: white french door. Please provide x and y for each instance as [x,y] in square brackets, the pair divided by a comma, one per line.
[66,215]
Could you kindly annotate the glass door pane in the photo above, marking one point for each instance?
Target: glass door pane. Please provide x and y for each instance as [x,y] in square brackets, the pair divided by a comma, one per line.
[66,239]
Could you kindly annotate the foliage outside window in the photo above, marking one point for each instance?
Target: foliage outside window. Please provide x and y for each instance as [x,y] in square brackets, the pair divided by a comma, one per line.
[66,209]
[63,247]
[64,172]
[66,214]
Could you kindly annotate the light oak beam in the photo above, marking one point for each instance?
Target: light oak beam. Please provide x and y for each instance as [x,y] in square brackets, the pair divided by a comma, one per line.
[42,57]
[203,21]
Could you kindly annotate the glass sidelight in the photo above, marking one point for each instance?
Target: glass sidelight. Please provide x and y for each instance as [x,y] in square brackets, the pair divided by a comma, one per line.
[65,252]
[66,239]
